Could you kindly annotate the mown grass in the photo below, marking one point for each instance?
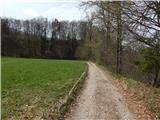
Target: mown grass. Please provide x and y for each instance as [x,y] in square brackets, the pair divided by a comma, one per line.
[33,86]
[144,91]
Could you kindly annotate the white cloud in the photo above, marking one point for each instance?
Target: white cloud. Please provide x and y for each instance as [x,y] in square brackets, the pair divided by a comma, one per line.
[55,9]
[26,9]
[30,12]
[39,1]
[64,11]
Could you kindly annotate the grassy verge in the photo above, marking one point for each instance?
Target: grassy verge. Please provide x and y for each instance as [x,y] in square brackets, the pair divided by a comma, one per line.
[72,94]
[145,92]
[32,87]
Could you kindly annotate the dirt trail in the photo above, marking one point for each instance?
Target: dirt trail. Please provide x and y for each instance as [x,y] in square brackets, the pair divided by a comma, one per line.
[99,99]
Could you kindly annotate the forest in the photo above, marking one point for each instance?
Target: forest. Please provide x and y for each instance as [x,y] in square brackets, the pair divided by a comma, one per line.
[123,35]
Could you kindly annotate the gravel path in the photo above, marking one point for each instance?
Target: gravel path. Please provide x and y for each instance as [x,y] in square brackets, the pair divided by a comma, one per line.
[99,99]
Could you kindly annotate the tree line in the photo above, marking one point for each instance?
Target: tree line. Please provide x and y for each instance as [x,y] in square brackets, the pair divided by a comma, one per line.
[41,38]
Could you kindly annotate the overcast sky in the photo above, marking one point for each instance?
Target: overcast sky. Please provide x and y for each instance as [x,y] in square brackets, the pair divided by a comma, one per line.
[27,9]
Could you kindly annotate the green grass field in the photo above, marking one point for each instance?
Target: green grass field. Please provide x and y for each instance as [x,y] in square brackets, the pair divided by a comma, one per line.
[31,85]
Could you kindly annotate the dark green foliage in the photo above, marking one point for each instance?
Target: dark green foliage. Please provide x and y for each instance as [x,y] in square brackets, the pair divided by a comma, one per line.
[150,63]
[38,38]
[151,59]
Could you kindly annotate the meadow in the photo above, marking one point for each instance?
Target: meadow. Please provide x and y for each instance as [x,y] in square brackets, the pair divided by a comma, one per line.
[32,85]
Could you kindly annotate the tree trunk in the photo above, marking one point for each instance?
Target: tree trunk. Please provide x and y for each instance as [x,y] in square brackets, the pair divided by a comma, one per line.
[119,38]
[155,80]
[107,39]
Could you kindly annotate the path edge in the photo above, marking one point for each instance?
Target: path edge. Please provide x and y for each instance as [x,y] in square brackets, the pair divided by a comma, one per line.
[72,94]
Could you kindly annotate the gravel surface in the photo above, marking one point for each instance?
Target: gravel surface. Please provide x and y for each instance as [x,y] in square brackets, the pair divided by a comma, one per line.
[99,99]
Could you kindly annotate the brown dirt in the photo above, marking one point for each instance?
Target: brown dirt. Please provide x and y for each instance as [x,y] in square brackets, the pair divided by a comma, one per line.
[99,99]
[135,105]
